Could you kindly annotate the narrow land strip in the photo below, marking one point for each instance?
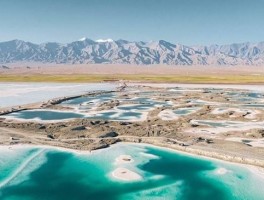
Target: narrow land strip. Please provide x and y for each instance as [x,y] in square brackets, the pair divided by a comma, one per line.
[80,78]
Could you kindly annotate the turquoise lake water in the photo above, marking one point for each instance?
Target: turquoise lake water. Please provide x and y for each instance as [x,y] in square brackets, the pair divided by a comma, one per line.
[46,115]
[185,111]
[37,173]
[217,124]
[90,99]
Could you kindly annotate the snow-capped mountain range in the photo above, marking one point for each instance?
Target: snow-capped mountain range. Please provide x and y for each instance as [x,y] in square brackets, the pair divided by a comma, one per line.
[126,52]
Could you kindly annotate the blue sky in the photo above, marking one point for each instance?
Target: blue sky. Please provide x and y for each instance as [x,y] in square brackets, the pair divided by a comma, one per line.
[179,21]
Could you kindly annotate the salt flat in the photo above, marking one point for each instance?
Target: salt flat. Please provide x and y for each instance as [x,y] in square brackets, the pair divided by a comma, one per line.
[13,94]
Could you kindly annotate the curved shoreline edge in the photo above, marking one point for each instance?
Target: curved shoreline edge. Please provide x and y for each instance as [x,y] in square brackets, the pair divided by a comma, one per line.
[254,165]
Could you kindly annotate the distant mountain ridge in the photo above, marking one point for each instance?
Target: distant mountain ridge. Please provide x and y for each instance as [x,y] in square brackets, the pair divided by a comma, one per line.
[87,51]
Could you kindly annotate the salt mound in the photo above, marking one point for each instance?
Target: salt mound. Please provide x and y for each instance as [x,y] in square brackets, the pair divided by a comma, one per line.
[123,159]
[125,174]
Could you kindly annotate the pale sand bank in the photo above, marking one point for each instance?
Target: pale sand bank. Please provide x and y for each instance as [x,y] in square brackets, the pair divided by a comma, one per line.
[123,159]
[221,171]
[252,142]
[236,126]
[167,115]
[247,113]
[125,174]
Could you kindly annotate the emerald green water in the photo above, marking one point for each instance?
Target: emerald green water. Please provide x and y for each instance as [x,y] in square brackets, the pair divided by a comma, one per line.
[45,115]
[185,111]
[53,174]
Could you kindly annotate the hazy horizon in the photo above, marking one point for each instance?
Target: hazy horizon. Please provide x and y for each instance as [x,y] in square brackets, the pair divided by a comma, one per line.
[189,22]
[96,40]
